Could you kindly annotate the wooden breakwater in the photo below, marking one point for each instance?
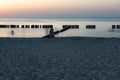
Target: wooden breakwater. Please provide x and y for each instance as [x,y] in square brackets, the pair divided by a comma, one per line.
[37,26]
[115,28]
[64,28]
[15,30]
[90,26]
[26,26]
[51,26]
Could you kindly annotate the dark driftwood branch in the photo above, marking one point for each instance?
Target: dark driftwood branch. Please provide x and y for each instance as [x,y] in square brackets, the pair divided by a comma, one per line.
[57,32]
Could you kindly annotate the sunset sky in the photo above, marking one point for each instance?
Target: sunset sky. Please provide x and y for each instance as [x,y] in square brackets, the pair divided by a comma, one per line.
[59,8]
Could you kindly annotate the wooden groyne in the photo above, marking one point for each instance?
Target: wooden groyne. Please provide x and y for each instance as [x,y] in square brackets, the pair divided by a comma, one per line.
[115,26]
[118,26]
[38,26]
[4,26]
[12,28]
[26,26]
[35,26]
[90,26]
[71,26]
[51,26]
[65,28]
[47,26]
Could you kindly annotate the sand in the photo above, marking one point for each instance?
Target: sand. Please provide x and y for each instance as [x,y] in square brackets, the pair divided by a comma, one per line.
[71,58]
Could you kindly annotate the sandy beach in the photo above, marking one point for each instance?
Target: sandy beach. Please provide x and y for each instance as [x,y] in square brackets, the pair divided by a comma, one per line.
[70,58]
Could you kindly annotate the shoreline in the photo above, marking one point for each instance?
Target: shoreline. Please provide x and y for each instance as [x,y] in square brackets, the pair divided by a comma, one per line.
[56,37]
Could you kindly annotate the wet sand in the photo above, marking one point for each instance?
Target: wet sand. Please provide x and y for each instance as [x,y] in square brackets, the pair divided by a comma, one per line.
[71,58]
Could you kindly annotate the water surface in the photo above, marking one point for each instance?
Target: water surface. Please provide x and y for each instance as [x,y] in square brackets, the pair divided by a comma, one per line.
[103,27]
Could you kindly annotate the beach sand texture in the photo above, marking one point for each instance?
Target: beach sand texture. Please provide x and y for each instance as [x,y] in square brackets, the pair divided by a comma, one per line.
[71,58]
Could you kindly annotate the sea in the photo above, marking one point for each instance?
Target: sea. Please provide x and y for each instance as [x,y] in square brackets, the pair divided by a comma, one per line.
[103,27]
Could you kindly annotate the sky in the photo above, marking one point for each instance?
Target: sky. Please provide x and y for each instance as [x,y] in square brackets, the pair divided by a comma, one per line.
[59,8]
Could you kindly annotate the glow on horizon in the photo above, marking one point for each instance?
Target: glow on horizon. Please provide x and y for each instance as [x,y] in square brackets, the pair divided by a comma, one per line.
[59,8]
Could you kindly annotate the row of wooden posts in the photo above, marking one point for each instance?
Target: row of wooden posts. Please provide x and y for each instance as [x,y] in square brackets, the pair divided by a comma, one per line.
[115,26]
[51,26]
[45,26]
[36,26]
[26,26]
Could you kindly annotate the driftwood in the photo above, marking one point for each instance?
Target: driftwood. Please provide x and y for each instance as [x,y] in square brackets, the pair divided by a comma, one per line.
[57,32]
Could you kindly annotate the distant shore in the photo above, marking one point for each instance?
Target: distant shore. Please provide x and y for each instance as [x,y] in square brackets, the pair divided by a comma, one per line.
[65,58]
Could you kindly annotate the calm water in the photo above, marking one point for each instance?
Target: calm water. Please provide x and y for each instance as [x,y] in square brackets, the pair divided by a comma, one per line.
[103,27]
